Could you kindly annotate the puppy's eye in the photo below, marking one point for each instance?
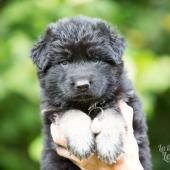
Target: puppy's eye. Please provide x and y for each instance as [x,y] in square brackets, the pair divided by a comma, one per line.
[95,60]
[63,63]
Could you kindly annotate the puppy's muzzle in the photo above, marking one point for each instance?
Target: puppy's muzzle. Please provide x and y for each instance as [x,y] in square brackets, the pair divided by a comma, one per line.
[82,85]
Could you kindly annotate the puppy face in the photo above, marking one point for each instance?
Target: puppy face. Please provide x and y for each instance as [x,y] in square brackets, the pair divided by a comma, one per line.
[79,59]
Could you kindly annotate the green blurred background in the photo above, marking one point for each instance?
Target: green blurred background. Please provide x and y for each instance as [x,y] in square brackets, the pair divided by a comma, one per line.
[146,26]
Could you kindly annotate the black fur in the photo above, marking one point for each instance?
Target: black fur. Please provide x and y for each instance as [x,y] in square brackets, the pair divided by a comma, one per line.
[84,47]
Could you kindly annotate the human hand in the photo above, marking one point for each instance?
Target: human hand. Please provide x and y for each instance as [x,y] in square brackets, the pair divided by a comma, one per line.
[129,160]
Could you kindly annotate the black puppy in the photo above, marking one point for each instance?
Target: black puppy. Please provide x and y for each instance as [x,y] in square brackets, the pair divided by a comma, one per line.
[80,68]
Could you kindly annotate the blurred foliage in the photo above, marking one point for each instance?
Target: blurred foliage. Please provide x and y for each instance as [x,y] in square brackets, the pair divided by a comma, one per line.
[145,24]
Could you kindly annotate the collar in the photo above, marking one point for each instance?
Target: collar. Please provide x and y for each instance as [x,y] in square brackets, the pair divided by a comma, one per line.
[96,107]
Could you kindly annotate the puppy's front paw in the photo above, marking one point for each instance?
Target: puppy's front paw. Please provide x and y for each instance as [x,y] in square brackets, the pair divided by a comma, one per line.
[109,142]
[76,127]
[81,145]
[109,147]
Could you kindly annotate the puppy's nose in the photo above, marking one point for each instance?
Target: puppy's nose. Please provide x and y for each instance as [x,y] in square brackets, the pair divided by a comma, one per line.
[82,85]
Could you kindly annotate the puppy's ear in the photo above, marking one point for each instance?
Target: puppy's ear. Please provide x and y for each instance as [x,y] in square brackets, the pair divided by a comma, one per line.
[118,46]
[39,52]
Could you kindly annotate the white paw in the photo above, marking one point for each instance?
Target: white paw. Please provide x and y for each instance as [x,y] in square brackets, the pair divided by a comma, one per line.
[76,127]
[108,147]
[81,145]
[109,142]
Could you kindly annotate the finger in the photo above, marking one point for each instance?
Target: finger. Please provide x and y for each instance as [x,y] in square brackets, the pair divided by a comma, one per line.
[57,136]
[127,113]
[130,147]
[66,154]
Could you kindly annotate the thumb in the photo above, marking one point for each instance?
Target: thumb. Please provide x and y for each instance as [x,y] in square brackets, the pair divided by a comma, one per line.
[127,113]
